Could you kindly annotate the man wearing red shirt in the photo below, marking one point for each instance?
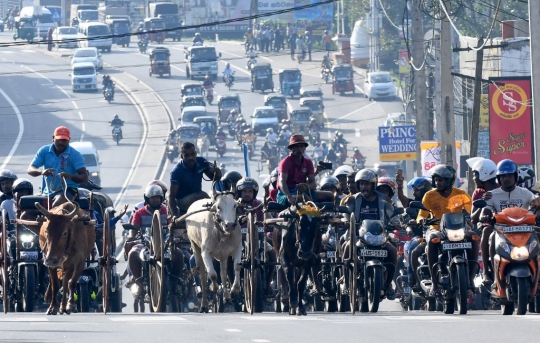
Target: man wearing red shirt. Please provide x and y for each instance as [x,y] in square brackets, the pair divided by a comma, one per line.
[296,169]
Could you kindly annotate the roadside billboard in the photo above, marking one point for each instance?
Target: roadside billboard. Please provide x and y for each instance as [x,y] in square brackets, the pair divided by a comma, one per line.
[510,119]
[397,143]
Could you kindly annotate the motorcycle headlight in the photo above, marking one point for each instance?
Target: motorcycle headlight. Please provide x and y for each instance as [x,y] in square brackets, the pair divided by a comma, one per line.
[455,235]
[134,288]
[504,246]
[376,240]
[95,174]
[27,241]
[533,245]
[519,253]
[171,147]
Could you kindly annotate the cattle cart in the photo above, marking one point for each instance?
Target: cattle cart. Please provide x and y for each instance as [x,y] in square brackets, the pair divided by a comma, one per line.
[253,291]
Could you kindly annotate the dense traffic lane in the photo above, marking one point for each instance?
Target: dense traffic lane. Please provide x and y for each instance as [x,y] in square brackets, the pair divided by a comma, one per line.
[40,87]
[410,327]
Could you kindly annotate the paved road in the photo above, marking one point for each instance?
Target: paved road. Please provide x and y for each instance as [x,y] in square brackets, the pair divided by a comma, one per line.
[411,327]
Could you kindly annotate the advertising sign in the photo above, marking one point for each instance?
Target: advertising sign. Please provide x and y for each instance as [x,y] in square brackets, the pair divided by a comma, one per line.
[404,67]
[320,17]
[483,134]
[397,143]
[431,156]
[510,128]
[270,6]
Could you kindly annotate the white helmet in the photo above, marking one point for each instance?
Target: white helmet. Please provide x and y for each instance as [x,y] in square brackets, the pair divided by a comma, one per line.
[153,190]
[343,171]
[486,168]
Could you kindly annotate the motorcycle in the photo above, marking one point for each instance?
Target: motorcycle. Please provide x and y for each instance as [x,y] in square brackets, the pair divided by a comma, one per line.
[209,92]
[515,264]
[143,44]
[172,152]
[228,80]
[341,152]
[251,62]
[272,163]
[325,74]
[117,134]
[314,136]
[108,94]
[358,164]
[221,145]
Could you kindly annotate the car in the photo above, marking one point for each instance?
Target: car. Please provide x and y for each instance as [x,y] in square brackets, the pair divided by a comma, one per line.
[264,117]
[379,84]
[65,36]
[396,119]
[91,55]
[192,112]
[84,77]
[91,159]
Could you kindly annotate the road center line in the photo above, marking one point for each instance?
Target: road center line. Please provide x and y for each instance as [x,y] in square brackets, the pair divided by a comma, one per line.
[21,129]
[80,115]
[75,104]
[232,330]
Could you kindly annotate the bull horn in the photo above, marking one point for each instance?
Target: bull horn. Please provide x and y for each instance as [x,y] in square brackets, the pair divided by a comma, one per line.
[74,212]
[42,210]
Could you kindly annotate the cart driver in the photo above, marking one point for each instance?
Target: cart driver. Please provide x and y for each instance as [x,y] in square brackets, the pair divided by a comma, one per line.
[228,71]
[197,39]
[207,81]
[326,64]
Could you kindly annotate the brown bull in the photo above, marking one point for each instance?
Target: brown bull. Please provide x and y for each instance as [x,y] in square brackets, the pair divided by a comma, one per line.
[66,239]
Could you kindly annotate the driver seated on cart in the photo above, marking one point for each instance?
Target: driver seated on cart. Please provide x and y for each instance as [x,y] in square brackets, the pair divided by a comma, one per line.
[142,218]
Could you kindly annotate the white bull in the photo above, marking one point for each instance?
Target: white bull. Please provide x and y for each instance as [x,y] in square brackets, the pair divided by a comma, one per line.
[216,234]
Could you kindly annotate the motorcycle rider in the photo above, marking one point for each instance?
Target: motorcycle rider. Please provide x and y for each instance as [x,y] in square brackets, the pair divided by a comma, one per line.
[188,173]
[286,132]
[228,71]
[508,195]
[326,64]
[313,124]
[443,199]
[108,83]
[371,204]
[251,54]
[358,157]
[248,38]
[117,122]
[233,115]
[220,134]
[387,185]
[7,178]
[250,137]
[331,157]
[59,161]
[318,152]
[21,187]
[197,39]
[271,136]
[142,218]
[208,86]
[230,180]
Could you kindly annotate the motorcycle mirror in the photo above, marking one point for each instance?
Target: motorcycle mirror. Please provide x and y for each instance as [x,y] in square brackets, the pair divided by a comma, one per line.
[418,204]
[129,227]
[411,211]
[479,203]
[398,211]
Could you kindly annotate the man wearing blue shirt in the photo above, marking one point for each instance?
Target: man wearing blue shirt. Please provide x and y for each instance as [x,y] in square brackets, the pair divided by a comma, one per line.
[186,180]
[59,161]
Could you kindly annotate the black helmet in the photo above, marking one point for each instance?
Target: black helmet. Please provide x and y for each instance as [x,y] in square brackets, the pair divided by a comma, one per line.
[444,171]
[21,184]
[328,183]
[230,179]
[6,174]
[116,116]
[366,175]
[247,182]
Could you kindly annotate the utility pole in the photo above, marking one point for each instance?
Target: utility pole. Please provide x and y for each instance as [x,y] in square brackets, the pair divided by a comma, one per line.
[420,89]
[447,125]
[534,36]
[475,123]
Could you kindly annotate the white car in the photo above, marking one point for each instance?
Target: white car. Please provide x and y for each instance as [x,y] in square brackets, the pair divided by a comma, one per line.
[379,84]
[263,118]
[65,36]
[88,55]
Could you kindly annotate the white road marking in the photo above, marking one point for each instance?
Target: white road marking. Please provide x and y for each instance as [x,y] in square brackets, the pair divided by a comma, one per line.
[82,137]
[353,112]
[28,50]
[139,151]
[24,319]
[21,129]
[38,73]
[177,68]
[75,104]
[154,318]
[357,132]
[64,91]
[232,330]
[260,340]
[80,115]
[83,127]
[8,52]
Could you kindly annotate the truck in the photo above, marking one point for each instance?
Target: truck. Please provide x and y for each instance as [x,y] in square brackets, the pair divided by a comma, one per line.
[169,12]
[115,11]
[75,11]
[201,61]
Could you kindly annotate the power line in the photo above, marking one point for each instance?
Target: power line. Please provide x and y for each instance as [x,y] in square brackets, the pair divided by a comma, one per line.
[500,10]
[386,15]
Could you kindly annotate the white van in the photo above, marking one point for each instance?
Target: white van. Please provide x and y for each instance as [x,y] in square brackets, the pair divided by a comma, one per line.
[360,44]
[84,77]
[91,159]
[39,15]
[91,34]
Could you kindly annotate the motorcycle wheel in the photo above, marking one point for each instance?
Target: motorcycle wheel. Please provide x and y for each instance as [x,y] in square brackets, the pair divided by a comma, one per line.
[28,288]
[375,287]
[508,309]
[432,305]
[462,294]
[522,295]
[449,306]
[84,297]
[117,141]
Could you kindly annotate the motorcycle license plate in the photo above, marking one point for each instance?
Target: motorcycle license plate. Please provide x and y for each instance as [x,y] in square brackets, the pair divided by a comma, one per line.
[330,254]
[406,290]
[454,246]
[373,253]
[517,229]
[29,255]
[260,229]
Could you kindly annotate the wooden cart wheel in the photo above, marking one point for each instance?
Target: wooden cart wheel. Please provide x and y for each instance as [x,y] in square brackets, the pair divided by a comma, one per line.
[157,284]
[105,265]
[353,267]
[249,275]
[4,263]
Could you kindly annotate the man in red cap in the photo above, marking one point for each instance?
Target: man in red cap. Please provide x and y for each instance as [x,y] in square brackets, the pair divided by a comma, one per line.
[59,161]
[297,169]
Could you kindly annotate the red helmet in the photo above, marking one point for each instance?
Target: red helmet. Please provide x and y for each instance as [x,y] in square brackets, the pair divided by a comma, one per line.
[387,181]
